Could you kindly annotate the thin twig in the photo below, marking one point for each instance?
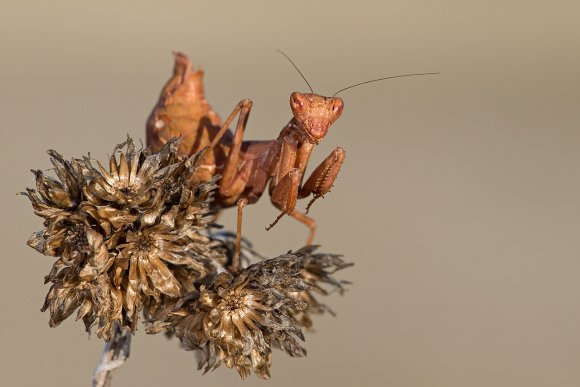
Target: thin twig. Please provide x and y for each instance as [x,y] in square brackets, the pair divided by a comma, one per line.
[114,356]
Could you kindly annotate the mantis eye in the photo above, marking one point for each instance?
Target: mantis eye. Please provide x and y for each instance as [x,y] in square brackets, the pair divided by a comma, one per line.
[337,106]
[296,101]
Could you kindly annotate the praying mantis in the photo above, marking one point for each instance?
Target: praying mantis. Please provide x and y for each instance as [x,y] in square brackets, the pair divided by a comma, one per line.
[247,167]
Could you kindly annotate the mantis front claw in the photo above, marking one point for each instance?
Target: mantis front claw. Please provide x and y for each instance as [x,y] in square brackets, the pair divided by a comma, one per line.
[321,180]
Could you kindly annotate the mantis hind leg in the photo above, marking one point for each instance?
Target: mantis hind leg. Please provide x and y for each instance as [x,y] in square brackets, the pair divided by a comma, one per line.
[236,261]
[231,185]
[308,222]
[230,169]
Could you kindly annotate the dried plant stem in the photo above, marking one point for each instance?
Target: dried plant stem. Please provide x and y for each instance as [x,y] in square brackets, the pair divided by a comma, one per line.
[114,356]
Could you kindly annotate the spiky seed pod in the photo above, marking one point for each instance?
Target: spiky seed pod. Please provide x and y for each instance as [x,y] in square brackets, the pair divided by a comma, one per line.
[53,198]
[238,319]
[98,302]
[65,238]
[130,182]
[146,255]
[318,271]
[124,237]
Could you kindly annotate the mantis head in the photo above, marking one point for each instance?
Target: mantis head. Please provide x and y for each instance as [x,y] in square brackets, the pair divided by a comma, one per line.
[314,113]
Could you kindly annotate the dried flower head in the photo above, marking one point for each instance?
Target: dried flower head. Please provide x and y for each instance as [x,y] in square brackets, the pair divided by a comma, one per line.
[53,198]
[238,319]
[124,237]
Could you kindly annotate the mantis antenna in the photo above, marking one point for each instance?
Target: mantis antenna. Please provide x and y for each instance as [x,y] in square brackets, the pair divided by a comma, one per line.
[297,69]
[382,79]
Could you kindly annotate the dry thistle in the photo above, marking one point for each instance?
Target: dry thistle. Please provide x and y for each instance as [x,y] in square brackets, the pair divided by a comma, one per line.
[237,319]
[124,237]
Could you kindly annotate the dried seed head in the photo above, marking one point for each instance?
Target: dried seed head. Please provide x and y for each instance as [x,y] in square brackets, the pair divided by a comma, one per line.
[237,320]
[125,237]
[54,198]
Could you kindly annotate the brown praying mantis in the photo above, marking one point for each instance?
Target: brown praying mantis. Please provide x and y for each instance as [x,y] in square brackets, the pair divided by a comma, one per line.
[246,167]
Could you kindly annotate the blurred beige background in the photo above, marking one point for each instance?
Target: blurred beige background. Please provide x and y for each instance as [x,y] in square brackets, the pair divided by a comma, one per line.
[459,200]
